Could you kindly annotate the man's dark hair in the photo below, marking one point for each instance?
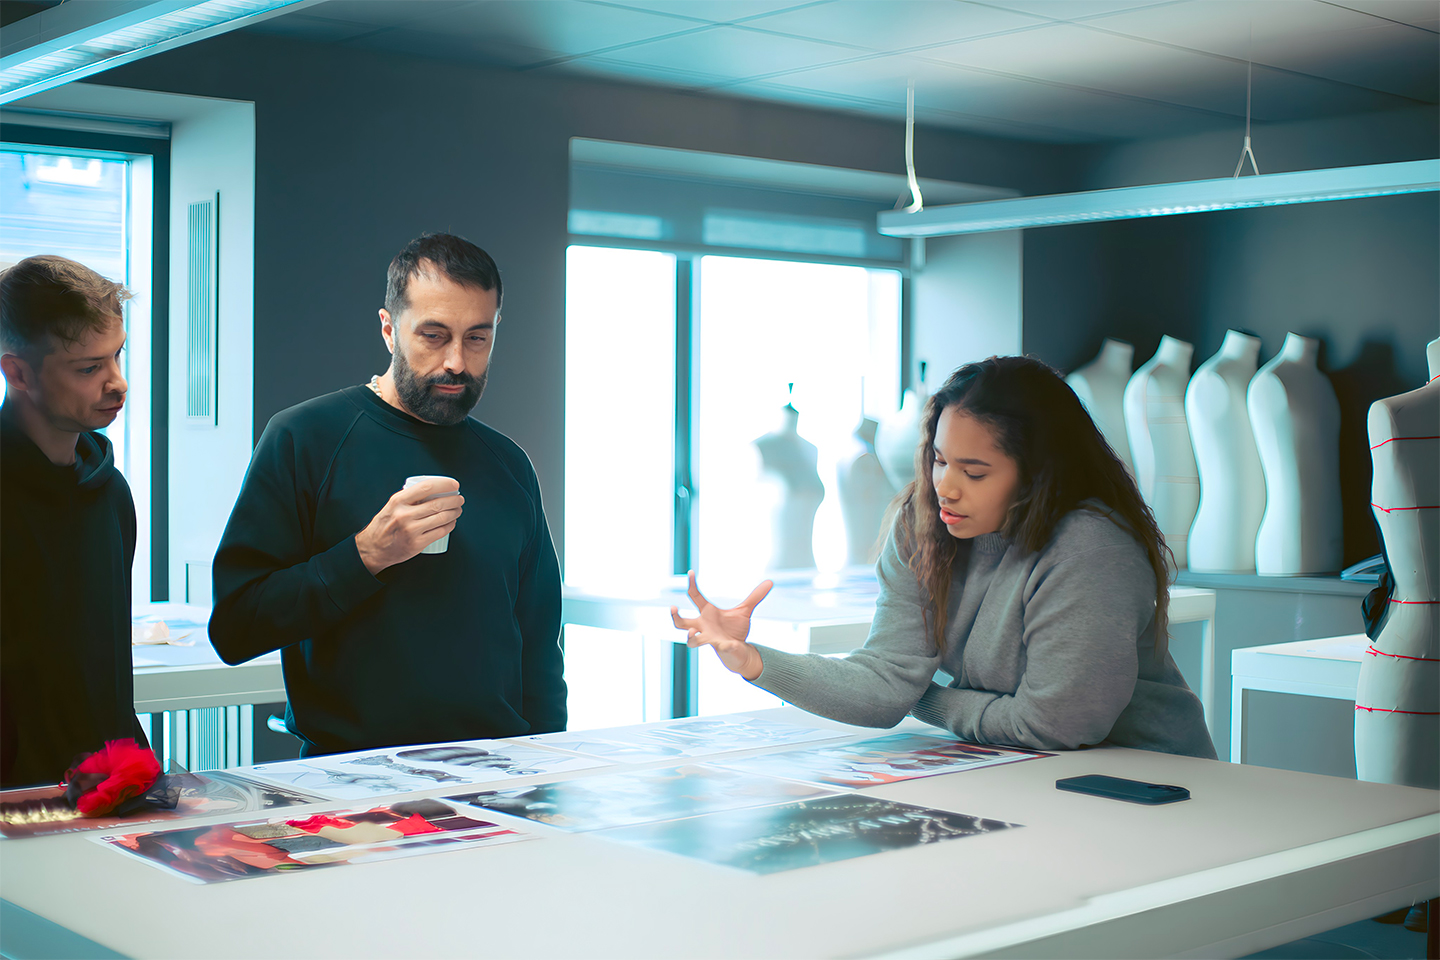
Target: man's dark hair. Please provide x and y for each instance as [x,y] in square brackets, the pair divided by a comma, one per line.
[455,258]
[46,299]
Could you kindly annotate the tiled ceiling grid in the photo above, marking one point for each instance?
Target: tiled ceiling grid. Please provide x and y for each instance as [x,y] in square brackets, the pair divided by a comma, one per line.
[1049,70]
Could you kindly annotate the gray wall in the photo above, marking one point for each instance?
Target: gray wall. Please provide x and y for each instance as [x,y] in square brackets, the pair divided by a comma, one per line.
[358,152]
[1361,276]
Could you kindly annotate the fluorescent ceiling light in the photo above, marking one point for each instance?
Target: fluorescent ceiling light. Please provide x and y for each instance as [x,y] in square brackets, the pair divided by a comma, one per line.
[74,40]
[1165,199]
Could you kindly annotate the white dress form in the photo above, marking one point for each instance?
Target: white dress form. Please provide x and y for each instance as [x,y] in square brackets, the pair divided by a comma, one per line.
[898,435]
[1100,385]
[1160,442]
[787,460]
[1397,702]
[1232,484]
[1296,420]
[865,493]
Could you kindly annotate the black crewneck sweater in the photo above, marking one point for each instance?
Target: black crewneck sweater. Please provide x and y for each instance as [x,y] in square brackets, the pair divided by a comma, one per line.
[452,646]
[67,541]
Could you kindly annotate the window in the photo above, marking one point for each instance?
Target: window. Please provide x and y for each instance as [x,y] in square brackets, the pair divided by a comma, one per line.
[675,364]
[95,206]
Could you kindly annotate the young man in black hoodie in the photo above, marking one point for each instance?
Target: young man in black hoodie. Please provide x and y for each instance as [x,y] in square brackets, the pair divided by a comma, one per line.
[67,522]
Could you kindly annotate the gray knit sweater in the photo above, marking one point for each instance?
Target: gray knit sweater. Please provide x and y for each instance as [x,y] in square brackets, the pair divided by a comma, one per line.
[1052,649]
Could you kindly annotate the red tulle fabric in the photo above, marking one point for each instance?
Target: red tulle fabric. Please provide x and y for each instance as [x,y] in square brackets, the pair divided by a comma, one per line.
[127,769]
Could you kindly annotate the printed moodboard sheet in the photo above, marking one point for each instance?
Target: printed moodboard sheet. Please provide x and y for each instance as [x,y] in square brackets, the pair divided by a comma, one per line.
[37,811]
[803,834]
[374,773]
[677,740]
[638,796]
[866,763]
[260,848]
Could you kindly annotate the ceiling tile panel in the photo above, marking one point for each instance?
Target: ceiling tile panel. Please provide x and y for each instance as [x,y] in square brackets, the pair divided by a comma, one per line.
[896,25]
[731,52]
[460,46]
[1070,9]
[297,26]
[715,11]
[674,77]
[1319,39]
[382,13]
[1424,14]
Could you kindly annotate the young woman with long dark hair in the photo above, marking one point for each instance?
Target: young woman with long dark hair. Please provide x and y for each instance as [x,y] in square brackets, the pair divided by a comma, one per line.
[1024,563]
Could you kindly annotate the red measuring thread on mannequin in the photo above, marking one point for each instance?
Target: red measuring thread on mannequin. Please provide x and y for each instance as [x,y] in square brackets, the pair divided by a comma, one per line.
[1389,509]
[1393,600]
[1413,713]
[1383,442]
[1399,656]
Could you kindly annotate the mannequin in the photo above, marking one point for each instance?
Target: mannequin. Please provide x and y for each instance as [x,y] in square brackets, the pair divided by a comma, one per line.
[1100,385]
[1160,442]
[788,460]
[1296,421]
[898,435]
[1232,484]
[865,492]
[1397,702]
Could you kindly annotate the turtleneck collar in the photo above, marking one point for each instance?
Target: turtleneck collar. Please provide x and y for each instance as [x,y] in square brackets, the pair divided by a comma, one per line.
[990,543]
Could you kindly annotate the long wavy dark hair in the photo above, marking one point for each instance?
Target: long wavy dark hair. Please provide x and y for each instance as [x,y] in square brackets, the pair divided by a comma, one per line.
[1063,458]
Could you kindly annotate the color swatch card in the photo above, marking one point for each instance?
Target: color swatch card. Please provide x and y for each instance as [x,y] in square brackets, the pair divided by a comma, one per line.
[804,834]
[693,737]
[258,848]
[638,796]
[866,763]
[374,773]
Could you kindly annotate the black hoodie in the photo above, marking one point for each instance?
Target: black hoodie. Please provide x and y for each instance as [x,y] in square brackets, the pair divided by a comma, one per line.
[67,540]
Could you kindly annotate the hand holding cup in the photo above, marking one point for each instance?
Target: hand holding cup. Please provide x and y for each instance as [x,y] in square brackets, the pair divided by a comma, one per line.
[413,520]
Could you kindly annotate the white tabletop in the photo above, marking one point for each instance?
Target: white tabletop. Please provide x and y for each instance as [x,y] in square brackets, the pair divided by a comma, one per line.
[1258,857]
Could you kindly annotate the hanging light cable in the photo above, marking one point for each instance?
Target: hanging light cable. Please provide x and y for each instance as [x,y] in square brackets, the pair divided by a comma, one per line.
[1245,150]
[917,203]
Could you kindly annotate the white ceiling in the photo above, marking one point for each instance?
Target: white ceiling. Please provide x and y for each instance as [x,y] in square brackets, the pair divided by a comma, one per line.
[1047,70]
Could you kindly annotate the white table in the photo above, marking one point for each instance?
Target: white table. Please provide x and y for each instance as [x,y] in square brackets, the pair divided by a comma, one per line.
[1329,667]
[830,615]
[1257,858]
[179,680]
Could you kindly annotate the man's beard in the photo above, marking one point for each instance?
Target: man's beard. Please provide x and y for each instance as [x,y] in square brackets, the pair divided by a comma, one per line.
[423,402]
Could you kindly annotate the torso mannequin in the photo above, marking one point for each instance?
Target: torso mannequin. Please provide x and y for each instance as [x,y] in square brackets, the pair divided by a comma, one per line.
[1296,421]
[1232,485]
[1397,703]
[1100,385]
[788,461]
[1160,441]
[864,492]
[898,435]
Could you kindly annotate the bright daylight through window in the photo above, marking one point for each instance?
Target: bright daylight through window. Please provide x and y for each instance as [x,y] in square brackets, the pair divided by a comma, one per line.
[94,208]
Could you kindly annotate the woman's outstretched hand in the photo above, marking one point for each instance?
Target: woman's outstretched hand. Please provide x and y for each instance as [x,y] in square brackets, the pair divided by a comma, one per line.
[725,630]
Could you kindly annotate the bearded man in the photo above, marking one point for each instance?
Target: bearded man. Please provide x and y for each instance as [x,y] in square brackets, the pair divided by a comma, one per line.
[322,557]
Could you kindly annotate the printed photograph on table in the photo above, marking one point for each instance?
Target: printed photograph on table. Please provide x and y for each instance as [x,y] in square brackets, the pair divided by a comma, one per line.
[865,763]
[640,796]
[804,834]
[694,737]
[259,848]
[375,773]
[37,811]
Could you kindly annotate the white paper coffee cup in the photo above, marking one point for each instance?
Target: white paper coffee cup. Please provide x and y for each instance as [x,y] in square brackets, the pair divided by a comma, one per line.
[443,544]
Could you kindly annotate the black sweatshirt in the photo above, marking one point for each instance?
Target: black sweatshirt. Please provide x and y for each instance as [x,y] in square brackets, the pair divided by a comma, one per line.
[67,540]
[450,646]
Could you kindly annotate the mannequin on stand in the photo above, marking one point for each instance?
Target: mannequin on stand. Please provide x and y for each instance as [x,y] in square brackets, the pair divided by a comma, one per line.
[1397,703]
[787,460]
[1296,420]
[898,435]
[1232,484]
[865,492]
[1164,461]
[1100,385]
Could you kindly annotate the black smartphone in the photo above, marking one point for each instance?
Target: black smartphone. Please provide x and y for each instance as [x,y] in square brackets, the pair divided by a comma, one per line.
[1118,788]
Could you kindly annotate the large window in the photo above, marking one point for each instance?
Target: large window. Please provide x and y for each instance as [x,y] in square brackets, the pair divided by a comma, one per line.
[96,207]
[675,365]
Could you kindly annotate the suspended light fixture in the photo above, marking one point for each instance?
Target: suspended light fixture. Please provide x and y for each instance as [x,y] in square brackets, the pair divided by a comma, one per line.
[1166,199]
[72,40]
